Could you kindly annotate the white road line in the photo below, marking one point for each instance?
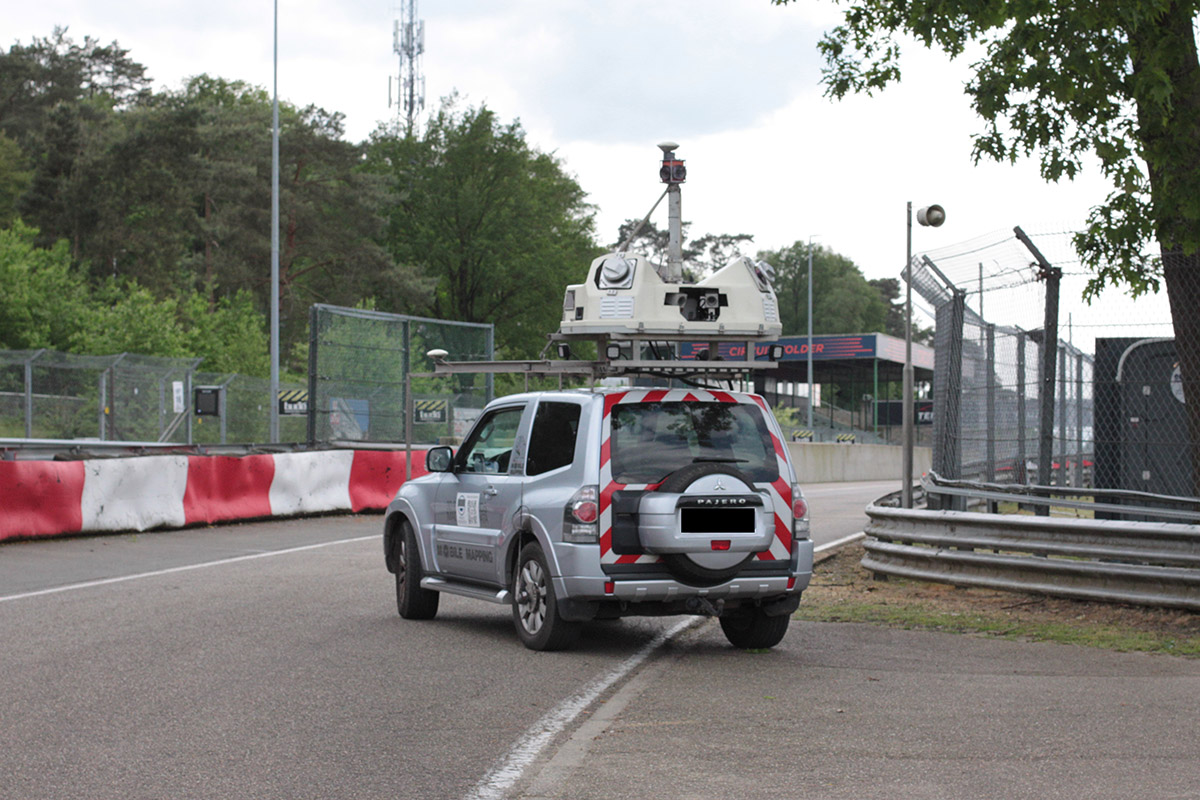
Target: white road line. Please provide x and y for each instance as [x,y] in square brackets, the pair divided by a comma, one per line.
[854,537]
[510,768]
[824,492]
[170,570]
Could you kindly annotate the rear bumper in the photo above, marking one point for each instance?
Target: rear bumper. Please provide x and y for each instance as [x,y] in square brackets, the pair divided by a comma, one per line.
[628,592]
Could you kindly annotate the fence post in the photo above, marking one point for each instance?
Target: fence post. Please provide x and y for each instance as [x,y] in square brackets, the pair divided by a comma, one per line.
[29,392]
[406,399]
[313,338]
[490,379]
[947,393]
[1048,361]
[990,377]
[1063,479]
[1022,433]
[1079,420]
[103,404]
[408,418]
[1052,276]
[188,409]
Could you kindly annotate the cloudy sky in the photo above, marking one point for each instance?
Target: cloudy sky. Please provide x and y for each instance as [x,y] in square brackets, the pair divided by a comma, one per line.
[735,82]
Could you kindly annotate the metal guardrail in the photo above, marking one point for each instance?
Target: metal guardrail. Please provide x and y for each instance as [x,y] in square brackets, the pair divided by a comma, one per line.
[1114,502]
[1143,563]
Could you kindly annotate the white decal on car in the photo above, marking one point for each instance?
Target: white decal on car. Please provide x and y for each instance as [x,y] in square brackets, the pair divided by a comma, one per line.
[466,510]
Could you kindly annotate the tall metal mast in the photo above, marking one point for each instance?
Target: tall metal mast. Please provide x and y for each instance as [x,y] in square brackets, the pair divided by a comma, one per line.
[408,42]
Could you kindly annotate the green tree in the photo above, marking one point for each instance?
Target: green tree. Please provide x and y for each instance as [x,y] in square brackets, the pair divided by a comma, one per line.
[127,318]
[332,212]
[66,182]
[843,300]
[499,227]
[43,297]
[230,337]
[49,72]
[57,100]
[651,240]
[15,177]
[701,255]
[1119,82]
[142,195]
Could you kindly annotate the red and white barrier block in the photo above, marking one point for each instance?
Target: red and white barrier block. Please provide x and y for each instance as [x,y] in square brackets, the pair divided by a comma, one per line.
[51,498]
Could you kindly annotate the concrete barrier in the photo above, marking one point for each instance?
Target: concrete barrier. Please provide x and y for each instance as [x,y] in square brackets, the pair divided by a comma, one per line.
[54,498]
[831,463]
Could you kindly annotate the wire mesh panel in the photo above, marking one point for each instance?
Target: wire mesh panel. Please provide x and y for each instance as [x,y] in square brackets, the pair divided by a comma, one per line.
[16,392]
[125,397]
[245,413]
[139,397]
[358,361]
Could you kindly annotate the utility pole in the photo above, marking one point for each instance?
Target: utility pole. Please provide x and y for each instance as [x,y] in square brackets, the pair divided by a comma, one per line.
[930,216]
[273,431]
[810,335]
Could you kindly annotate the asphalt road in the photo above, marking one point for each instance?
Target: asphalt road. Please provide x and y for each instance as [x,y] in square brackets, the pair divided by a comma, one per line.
[282,676]
[267,660]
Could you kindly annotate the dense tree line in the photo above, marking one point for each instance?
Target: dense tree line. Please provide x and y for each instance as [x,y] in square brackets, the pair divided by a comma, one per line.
[139,220]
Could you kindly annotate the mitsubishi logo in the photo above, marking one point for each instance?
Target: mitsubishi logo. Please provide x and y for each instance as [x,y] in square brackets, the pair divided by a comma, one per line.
[719,487]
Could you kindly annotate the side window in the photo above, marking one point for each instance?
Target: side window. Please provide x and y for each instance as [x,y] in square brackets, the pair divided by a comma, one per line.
[489,447]
[552,443]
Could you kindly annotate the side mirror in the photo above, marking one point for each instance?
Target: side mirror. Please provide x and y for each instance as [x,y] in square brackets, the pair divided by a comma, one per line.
[439,459]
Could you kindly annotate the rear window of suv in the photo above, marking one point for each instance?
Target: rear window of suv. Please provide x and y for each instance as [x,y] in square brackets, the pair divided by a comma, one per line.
[652,440]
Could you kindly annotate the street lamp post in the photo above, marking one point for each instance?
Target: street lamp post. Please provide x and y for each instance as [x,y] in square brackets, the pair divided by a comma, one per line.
[810,336]
[932,216]
[273,433]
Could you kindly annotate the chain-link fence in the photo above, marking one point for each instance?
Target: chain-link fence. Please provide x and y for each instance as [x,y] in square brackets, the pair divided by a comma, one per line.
[358,361]
[1054,391]
[127,397]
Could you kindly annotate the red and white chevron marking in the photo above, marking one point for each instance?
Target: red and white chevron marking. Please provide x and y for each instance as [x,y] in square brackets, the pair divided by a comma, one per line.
[781,489]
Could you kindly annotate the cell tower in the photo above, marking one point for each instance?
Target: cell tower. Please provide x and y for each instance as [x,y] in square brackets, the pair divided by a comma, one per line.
[408,42]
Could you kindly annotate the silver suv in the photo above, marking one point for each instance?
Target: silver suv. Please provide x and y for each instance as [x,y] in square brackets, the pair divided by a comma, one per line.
[595,504]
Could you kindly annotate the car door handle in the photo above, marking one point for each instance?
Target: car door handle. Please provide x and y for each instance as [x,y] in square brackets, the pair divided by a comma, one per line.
[491,491]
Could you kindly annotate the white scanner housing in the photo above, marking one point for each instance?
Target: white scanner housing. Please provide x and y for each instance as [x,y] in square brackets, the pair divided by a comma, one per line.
[624,296]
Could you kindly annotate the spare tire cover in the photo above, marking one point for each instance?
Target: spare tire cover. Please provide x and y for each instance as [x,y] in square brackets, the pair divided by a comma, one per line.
[704,569]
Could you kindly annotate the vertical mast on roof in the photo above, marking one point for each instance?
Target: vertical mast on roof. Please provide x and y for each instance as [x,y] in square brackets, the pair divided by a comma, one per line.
[673,173]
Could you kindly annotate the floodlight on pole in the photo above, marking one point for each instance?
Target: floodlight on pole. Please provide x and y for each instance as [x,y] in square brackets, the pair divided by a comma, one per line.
[929,216]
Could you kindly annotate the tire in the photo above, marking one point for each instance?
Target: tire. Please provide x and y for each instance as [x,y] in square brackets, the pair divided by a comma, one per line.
[679,480]
[534,606]
[678,564]
[412,601]
[752,629]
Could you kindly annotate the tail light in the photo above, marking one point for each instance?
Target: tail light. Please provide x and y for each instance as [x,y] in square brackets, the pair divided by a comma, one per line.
[799,513]
[581,517]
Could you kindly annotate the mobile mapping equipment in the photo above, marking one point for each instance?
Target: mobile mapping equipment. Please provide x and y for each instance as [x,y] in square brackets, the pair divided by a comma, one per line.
[638,312]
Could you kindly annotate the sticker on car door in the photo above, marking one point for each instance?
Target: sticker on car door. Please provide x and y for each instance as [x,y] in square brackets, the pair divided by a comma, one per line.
[466,510]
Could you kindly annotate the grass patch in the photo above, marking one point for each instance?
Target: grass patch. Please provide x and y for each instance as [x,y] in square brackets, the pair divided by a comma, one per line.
[842,591]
